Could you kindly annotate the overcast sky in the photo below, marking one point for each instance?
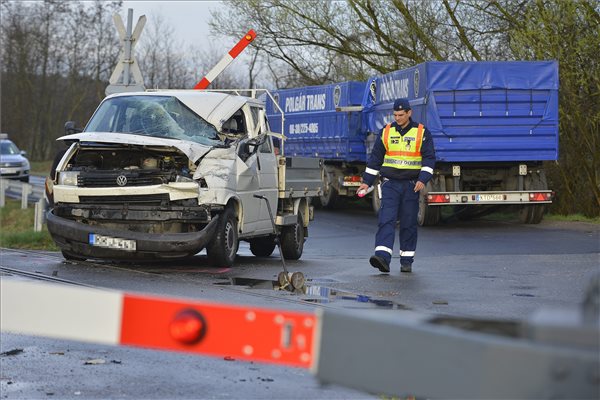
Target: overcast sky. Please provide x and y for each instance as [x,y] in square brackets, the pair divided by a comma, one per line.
[189,19]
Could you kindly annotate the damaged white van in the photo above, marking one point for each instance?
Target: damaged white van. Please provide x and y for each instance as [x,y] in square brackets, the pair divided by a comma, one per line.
[165,174]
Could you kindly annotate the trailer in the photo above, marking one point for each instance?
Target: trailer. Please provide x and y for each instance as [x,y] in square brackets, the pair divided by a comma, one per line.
[494,124]
[325,122]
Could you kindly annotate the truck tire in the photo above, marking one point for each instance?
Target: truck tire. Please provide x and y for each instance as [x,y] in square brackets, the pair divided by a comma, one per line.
[330,194]
[263,246]
[223,248]
[375,200]
[428,215]
[292,240]
[534,213]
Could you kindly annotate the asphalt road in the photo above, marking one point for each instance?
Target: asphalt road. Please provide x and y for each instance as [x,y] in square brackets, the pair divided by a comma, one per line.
[498,270]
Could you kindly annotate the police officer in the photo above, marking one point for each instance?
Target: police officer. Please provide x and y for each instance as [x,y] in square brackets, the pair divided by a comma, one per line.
[405,158]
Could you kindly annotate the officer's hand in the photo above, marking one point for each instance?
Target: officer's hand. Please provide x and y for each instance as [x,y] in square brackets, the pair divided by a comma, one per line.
[363,186]
[419,185]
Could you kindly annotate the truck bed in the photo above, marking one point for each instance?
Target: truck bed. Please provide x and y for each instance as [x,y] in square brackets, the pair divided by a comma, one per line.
[300,176]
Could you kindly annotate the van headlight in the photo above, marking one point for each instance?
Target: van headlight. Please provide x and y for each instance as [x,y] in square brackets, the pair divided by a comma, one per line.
[68,178]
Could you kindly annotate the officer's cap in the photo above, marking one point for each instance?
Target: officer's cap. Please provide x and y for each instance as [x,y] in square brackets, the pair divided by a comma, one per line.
[401,105]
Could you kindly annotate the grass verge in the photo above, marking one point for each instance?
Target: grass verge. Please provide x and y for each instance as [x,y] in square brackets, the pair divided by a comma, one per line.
[41,168]
[16,229]
[572,218]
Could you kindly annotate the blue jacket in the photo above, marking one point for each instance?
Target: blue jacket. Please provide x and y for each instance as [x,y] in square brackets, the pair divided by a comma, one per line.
[427,164]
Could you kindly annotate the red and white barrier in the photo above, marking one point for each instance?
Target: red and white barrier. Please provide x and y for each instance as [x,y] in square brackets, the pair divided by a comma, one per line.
[110,317]
[226,60]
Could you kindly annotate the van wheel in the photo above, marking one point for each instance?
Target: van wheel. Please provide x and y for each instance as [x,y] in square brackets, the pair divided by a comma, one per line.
[292,240]
[263,246]
[72,257]
[223,248]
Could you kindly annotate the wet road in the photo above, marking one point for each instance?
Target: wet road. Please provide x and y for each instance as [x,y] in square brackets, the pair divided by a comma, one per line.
[484,268]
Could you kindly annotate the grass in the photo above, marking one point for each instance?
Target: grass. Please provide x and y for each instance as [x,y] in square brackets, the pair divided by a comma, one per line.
[40,167]
[16,229]
[572,218]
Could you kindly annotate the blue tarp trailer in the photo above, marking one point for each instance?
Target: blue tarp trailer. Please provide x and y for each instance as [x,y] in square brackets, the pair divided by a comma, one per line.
[325,121]
[476,111]
[312,125]
[493,125]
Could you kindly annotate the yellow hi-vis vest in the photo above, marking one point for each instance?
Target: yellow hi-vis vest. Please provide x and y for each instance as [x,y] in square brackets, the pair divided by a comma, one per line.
[402,152]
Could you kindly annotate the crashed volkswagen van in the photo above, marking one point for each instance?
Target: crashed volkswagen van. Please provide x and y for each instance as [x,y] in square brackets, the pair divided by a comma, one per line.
[166,174]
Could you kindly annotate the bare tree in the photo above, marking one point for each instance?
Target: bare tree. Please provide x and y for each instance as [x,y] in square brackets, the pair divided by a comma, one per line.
[161,58]
[307,42]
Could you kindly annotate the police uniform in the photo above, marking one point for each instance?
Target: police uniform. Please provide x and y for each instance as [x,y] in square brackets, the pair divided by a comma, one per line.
[402,156]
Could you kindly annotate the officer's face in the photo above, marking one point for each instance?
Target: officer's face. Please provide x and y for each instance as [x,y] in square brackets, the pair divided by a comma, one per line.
[401,117]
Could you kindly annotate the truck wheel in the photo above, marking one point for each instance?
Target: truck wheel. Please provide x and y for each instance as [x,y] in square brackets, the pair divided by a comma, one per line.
[263,246]
[292,240]
[72,257]
[428,215]
[375,201]
[330,194]
[532,214]
[224,246]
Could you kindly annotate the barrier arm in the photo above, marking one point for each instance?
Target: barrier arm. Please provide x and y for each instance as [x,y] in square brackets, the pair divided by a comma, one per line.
[226,60]
[553,355]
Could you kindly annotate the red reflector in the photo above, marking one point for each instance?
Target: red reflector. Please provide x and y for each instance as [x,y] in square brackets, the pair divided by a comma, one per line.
[438,198]
[352,178]
[188,327]
[539,196]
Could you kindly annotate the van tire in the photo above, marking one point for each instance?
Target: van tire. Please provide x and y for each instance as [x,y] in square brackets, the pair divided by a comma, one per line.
[262,246]
[223,248]
[292,239]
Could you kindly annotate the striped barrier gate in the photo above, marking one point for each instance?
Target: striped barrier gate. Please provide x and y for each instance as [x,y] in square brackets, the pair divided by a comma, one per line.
[377,352]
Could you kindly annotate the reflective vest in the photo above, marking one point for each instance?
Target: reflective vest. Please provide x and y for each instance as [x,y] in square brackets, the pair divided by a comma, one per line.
[402,152]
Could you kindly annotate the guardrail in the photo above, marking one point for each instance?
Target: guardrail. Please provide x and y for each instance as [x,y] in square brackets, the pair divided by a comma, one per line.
[29,194]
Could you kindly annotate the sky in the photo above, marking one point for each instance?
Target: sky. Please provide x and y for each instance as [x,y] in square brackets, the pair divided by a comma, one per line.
[189,19]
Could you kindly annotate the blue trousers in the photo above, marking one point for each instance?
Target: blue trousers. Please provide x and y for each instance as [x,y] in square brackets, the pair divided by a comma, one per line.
[399,201]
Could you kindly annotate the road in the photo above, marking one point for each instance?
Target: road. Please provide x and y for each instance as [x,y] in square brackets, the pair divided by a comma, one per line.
[484,268]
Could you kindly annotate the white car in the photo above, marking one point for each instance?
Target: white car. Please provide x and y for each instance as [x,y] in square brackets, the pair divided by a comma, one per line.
[13,164]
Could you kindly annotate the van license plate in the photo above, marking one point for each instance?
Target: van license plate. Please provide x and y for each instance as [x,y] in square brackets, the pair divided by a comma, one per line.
[112,242]
[489,197]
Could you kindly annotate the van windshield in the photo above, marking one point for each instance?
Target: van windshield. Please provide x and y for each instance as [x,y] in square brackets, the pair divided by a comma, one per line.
[158,116]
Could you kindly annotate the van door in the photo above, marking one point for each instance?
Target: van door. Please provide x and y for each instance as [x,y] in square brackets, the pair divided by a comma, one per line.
[267,179]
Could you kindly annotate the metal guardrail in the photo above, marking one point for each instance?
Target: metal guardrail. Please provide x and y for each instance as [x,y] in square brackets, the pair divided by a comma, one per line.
[29,194]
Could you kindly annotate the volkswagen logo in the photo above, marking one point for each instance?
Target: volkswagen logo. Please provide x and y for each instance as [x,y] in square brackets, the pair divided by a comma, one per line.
[121,180]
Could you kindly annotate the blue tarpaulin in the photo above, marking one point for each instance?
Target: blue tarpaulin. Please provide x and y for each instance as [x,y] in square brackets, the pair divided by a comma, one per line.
[476,111]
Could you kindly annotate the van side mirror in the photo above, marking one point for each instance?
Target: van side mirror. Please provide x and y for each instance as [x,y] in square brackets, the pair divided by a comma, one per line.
[70,128]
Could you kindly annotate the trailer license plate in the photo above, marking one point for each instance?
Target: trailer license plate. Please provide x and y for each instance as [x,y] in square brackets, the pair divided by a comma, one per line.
[489,197]
[112,242]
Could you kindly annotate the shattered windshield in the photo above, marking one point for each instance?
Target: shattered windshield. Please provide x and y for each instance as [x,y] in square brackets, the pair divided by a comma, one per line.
[158,116]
